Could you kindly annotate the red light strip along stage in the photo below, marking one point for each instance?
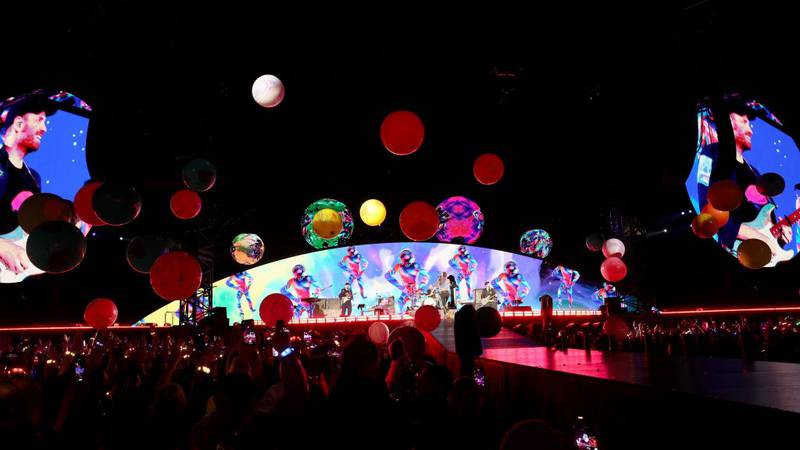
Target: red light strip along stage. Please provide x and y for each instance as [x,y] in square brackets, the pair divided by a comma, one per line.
[312,323]
[701,311]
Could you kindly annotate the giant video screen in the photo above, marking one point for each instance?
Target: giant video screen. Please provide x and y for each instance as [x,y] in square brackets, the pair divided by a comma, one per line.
[759,149]
[42,149]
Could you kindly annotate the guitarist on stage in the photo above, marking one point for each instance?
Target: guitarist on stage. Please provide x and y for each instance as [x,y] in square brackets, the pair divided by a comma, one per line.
[346,299]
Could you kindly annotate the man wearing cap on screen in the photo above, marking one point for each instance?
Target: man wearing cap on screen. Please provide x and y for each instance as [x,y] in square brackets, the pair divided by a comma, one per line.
[22,128]
[734,166]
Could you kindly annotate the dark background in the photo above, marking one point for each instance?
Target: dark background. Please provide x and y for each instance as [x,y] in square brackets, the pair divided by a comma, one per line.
[590,107]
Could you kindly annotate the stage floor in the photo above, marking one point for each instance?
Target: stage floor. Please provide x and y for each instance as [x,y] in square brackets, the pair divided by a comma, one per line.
[761,383]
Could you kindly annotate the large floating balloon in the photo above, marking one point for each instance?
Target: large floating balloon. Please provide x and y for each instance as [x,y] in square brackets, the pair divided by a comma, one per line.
[378,333]
[100,313]
[427,318]
[460,221]
[116,204]
[144,250]
[705,226]
[40,208]
[83,204]
[613,269]
[199,175]
[247,248]
[372,212]
[56,247]
[185,204]
[770,184]
[268,91]
[275,307]
[721,217]
[725,195]
[752,195]
[402,132]
[754,253]
[176,275]
[613,247]
[594,242]
[326,223]
[489,321]
[536,243]
[419,221]
[488,169]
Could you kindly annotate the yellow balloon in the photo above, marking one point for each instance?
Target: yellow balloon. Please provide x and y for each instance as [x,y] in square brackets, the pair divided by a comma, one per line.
[373,213]
[327,223]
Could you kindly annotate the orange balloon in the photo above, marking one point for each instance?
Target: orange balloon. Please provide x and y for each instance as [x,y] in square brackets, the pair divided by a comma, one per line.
[704,226]
[754,253]
[725,195]
[721,217]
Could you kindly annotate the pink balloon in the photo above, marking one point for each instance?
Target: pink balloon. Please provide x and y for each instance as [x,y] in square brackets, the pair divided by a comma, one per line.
[754,196]
[613,247]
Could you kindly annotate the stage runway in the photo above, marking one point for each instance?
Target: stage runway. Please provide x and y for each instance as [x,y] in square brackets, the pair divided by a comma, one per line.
[759,383]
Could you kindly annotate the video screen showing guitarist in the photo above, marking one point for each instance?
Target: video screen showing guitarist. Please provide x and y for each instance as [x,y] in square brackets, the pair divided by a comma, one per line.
[759,216]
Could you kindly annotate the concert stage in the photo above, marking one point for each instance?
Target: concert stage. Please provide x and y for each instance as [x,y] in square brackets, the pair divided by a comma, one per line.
[638,401]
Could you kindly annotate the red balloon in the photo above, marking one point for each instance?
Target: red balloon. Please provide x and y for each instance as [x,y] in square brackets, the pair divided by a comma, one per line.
[100,313]
[83,204]
[725,195]
[276,307]
[176,275]
[40,208]
[419,221]
[185,204]
[613,269]
[427,318]
[402,132]
[488,168]
[413,341]
[705,225]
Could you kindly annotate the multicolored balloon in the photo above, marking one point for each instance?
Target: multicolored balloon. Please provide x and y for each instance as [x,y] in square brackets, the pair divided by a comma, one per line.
[247,248]
[460,220]
[307,224]
[536,243]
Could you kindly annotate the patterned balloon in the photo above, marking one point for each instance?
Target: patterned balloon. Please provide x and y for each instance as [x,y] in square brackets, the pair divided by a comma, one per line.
[460,220]
[307,224]
[247,248]
[536,243]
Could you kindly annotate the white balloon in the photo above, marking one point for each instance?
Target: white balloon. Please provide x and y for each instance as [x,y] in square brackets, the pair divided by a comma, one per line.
[268,91]
[613,247]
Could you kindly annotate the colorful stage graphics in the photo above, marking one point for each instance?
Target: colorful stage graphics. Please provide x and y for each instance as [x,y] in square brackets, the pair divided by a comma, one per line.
[58,165]
[368,267]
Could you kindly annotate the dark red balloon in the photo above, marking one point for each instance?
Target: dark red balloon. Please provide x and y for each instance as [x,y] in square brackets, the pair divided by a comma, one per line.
[488,169]
[276,307]
[40,208]
[100,313]
[419,221]
[488,321]
[83,204]
[185,204]
[402,132]
[427,318]
[176,275]
[116,204]
[56,247]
